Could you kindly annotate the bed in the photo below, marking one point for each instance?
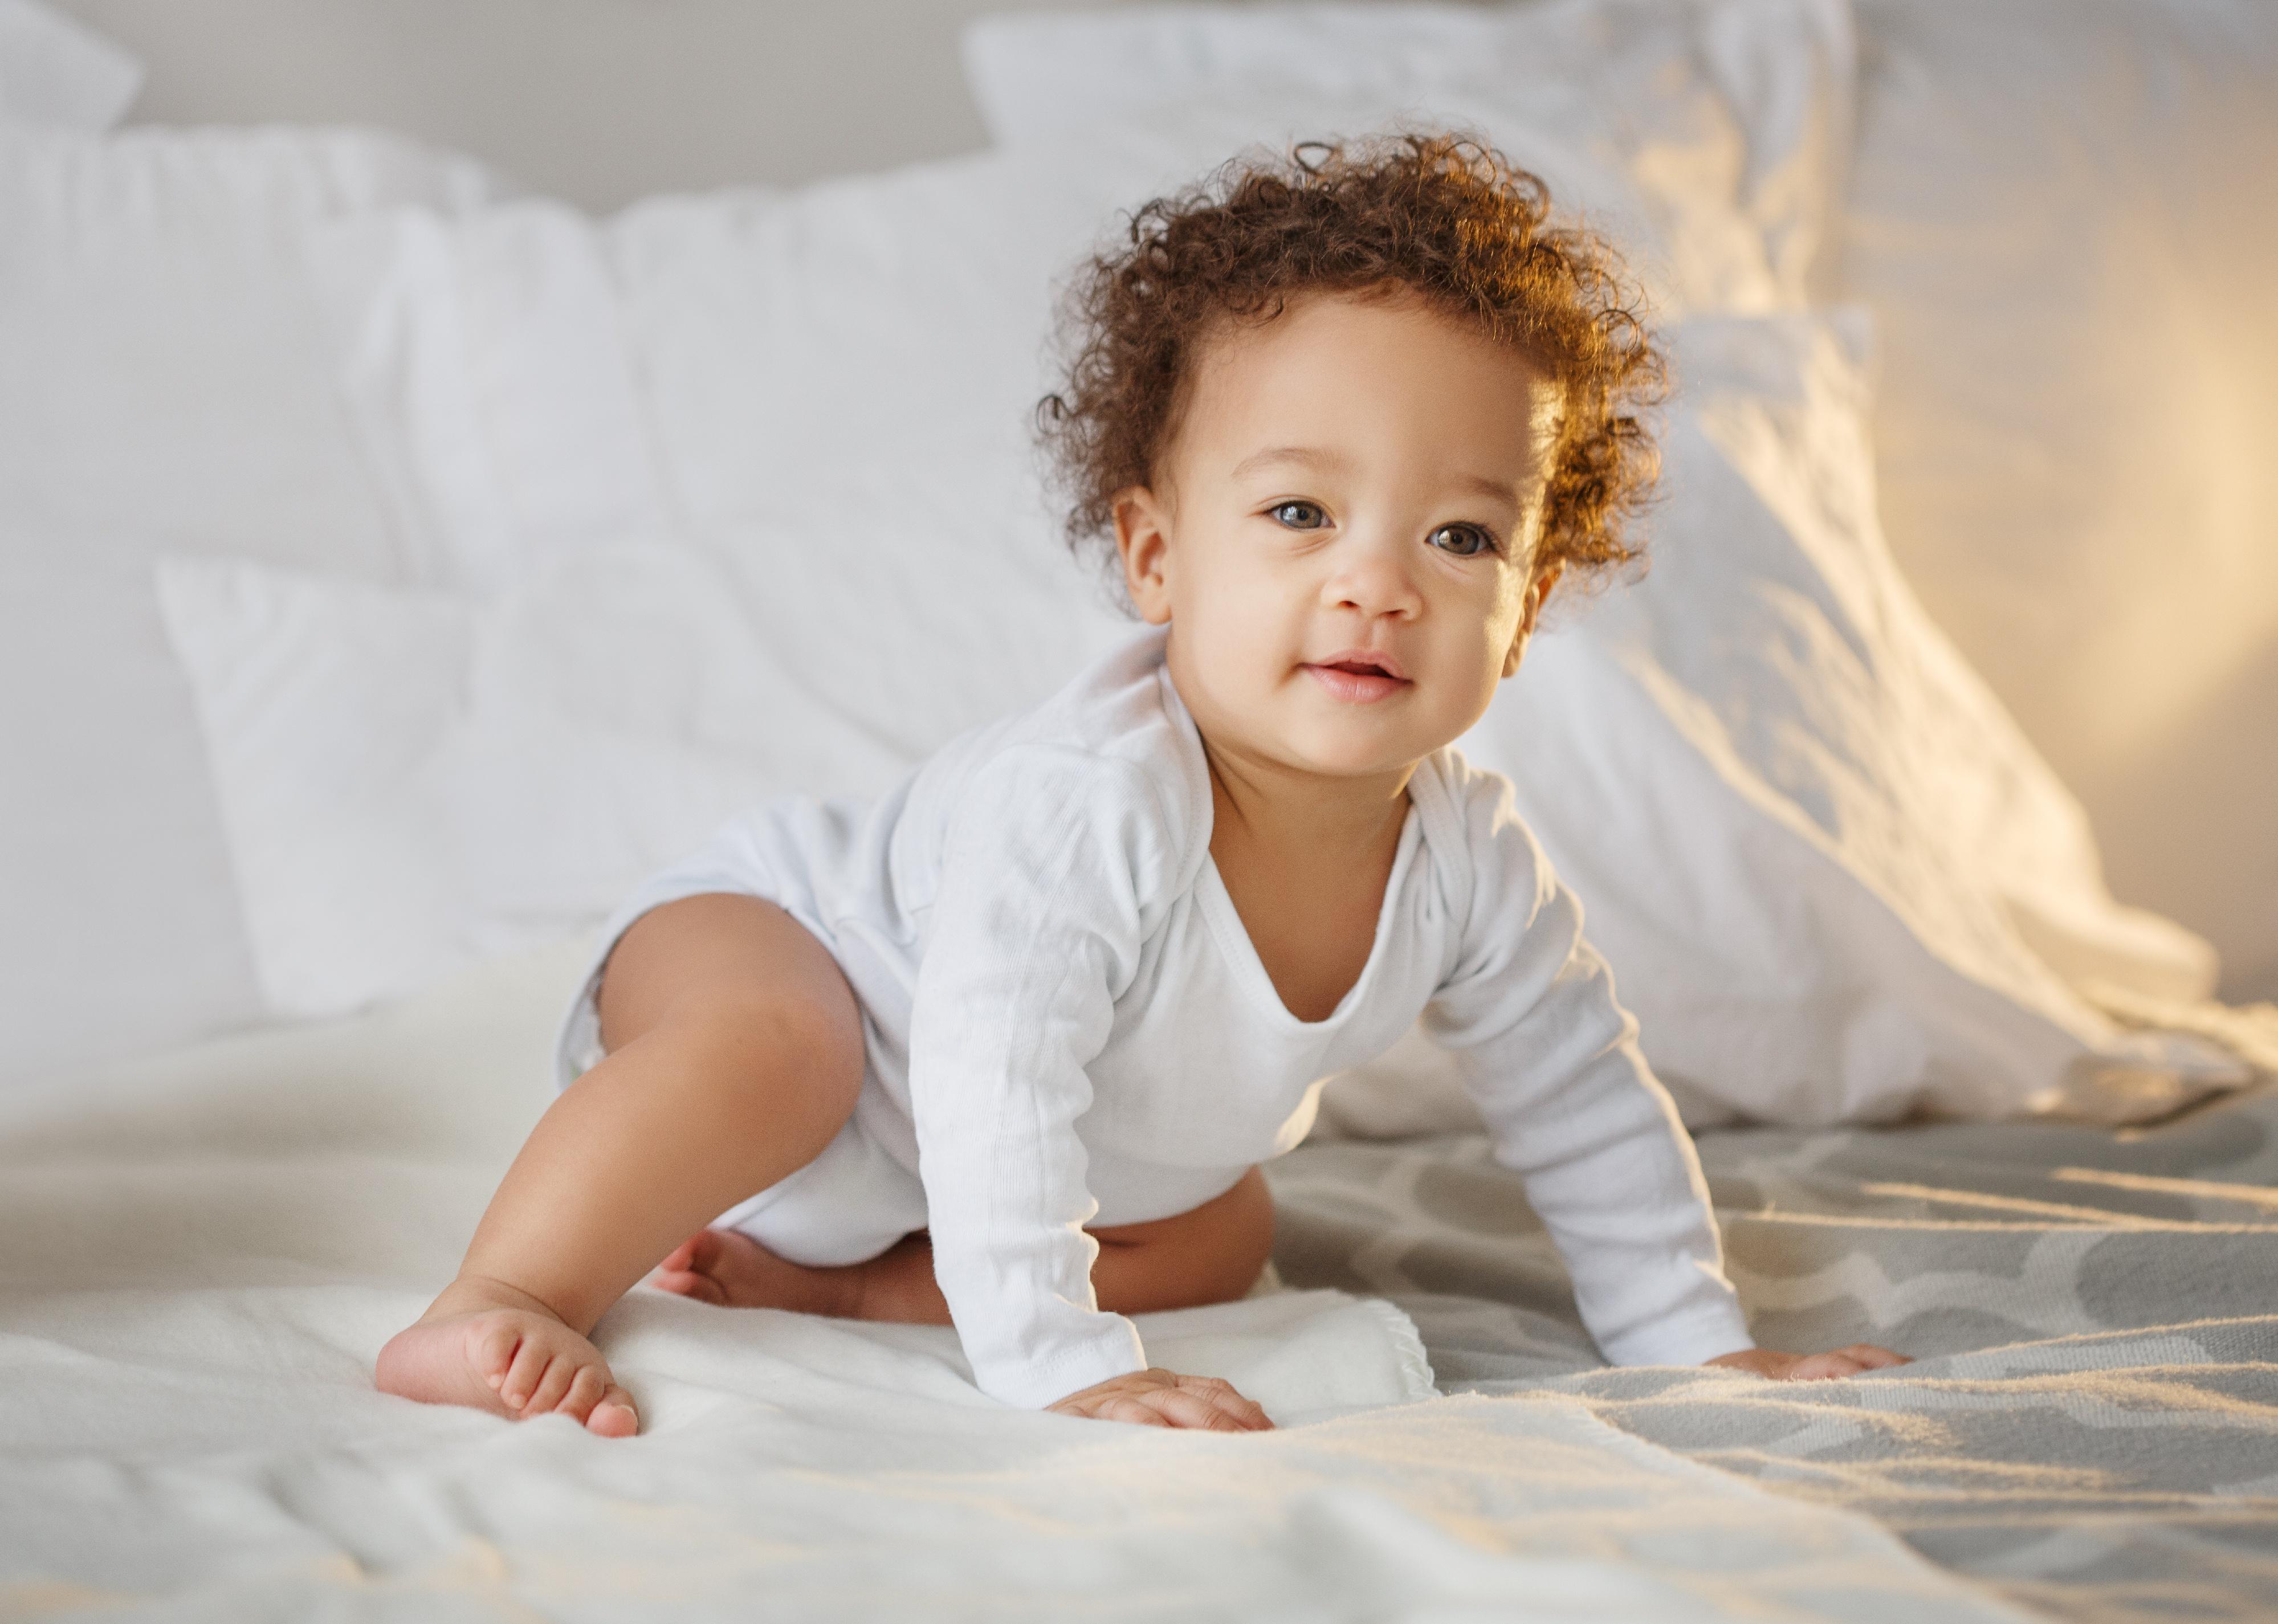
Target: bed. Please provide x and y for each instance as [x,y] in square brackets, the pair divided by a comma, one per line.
[395,566]
[200,1253]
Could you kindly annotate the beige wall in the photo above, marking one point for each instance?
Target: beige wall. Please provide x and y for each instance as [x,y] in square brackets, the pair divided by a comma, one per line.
[596,101]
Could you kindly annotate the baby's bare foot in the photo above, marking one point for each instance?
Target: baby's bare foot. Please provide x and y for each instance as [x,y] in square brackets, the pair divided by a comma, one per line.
[496,1350]
[733,1271]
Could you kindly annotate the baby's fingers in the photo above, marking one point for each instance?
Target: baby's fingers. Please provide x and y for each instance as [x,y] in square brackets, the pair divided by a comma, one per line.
[1873,1358]
[1193,1411]
[1140,1412]
[1823,1366]
[1843,1361]
[1246,1414]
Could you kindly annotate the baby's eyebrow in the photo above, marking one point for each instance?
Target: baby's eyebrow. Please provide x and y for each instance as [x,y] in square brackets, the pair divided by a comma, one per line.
[1496,489]
[1332,462]
[1328,461]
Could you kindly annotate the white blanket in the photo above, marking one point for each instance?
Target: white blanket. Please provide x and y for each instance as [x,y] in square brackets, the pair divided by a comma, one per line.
[200,1255]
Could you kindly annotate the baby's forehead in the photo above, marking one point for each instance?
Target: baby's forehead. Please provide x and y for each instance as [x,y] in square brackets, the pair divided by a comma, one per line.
[1365,331]
[1337,376]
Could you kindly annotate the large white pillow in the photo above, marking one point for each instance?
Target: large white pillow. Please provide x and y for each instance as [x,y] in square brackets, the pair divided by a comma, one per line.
[2065,214]
[445,778]
[532,378]
[483,360]
[165,384]
[1727,118]
[1802,831]
[1834,881]
[885,331]
[56,75]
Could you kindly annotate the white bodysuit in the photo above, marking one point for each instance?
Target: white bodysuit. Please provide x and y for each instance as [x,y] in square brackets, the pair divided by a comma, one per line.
[1067,1025]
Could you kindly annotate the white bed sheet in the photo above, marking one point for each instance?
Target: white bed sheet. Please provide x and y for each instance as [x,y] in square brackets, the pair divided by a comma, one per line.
[200,1255]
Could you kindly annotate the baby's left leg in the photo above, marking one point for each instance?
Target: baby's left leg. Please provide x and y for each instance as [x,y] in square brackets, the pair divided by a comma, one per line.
[1212,1254]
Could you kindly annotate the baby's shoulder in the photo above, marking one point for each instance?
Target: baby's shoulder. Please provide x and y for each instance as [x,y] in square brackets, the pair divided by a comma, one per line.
[1112,753]
[1484,848]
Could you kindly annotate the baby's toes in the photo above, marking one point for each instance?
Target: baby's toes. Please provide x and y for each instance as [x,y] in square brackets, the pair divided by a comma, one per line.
[553,1387]
[523,1376]
[614,1417]
[492,1346]
[593,1400]
[585,1390]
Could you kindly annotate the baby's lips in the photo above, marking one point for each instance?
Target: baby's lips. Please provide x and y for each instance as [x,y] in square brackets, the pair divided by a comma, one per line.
[1361,660]
[1355,687]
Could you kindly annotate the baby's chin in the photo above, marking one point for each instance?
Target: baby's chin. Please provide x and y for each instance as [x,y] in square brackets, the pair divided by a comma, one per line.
[1342,748]
[1305,725]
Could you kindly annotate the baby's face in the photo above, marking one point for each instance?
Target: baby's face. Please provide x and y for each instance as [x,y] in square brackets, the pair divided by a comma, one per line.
[1342,533]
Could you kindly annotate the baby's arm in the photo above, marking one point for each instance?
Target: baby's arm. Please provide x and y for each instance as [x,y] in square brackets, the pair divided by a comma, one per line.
[1553,1061]
[1038,922]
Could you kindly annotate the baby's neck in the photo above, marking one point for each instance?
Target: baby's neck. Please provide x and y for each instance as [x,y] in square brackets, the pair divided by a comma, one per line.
[1263,806]
[1306,859]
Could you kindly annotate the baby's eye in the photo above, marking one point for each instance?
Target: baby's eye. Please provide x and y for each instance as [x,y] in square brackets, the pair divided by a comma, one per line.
[1299,516]
[1463,540]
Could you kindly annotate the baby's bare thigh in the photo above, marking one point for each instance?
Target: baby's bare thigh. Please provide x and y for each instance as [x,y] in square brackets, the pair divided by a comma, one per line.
[1212,1253]
[734,963]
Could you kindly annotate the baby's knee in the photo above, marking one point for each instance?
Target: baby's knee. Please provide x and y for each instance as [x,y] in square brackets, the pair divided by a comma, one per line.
[770,1034]
[723,969]
[753,1063]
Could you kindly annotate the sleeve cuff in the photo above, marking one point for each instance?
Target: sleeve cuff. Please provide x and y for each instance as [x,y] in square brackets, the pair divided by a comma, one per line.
[1691,1338]
[1034,1383]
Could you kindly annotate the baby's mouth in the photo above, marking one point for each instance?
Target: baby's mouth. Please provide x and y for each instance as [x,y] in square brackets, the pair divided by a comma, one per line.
[1356,681]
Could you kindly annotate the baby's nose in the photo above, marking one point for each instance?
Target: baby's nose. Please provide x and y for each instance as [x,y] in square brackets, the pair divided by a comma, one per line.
[1372,578]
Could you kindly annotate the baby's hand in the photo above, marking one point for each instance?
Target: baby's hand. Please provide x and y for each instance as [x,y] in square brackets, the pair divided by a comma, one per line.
[1165,1399]
[1811,1367]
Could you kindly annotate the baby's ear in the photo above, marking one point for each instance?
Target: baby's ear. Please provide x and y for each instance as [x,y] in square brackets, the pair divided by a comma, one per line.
[1538,589]
[1142,539]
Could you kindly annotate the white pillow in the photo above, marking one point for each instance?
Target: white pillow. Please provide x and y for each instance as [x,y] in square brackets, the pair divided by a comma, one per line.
[169,377]
[1834,881]
[1718,112]
[885,331]
[482,358]
[56,74]
[2064,215]
[444,779]
[123,927]
[168,385]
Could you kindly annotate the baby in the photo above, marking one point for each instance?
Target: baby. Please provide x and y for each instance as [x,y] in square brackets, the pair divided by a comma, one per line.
[1004,1050]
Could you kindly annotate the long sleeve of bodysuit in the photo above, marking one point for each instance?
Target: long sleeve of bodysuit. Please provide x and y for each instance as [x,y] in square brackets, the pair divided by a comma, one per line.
[1037,924]
[1553,1062]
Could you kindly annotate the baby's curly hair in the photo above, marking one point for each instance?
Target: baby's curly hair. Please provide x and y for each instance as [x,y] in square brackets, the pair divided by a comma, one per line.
[1443,215]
